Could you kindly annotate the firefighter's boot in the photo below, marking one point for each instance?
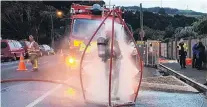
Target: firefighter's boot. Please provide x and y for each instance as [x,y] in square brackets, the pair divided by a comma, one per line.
[35,65]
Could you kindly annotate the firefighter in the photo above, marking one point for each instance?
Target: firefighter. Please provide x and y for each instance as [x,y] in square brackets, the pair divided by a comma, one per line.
[33,51]
[104,52]
[182,53]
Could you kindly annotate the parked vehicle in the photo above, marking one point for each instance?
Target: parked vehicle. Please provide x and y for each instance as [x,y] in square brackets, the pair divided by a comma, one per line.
[46,50]
[25,45]
[11,50]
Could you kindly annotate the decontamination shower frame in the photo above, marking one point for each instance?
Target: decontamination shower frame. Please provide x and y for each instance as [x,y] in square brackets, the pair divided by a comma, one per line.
[110,73]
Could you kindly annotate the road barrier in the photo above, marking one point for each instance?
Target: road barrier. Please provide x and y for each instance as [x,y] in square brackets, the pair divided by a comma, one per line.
[149,51]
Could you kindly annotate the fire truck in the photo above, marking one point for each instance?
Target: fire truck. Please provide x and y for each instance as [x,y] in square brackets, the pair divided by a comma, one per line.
[84,21]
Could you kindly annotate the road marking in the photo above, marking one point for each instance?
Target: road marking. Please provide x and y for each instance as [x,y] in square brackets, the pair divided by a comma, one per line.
[2,69]
[14,86]
[38,100]
[8,63]
[44,96]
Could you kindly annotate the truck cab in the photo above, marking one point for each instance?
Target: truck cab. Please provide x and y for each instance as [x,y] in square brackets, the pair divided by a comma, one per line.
[85,21]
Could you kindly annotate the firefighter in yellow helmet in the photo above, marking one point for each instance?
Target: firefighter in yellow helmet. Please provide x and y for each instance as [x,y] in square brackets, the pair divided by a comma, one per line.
[33,51]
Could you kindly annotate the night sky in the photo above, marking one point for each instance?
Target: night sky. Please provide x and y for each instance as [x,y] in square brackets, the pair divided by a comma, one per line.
[59,4]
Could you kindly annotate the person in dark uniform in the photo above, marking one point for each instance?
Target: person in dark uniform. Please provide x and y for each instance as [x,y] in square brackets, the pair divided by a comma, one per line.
[195,52]
[182,54]
[200,55]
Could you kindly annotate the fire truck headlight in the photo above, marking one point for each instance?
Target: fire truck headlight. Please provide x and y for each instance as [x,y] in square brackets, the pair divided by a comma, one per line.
[71,60]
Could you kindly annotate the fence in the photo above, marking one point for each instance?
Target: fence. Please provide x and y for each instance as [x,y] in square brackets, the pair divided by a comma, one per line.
[149,52]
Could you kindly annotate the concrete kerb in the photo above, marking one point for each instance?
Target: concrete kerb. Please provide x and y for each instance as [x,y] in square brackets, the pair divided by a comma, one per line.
[187,80]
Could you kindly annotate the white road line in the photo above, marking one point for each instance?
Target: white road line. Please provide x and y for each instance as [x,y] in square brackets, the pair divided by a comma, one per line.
[14,86]
[38,100]
[44,96]
[9,63]
[2,69]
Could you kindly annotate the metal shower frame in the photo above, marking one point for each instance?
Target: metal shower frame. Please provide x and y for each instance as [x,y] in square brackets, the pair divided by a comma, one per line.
[140,60]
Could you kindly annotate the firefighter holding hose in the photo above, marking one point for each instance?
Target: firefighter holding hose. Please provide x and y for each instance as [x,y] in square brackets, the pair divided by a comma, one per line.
[104,52]
[33,51]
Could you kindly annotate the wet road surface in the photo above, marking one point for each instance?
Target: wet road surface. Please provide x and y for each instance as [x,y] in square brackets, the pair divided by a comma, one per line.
[45,94]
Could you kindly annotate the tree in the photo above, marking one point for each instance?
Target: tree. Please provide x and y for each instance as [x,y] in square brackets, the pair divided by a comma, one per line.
[169,31]
[150,34]
[185,32]
[200,26]
[162,11]
[20,19]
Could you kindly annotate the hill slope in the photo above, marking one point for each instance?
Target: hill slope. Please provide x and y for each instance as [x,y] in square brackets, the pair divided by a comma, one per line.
[171,11]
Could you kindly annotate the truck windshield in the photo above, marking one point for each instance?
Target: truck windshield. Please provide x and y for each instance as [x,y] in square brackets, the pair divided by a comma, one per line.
[86,27]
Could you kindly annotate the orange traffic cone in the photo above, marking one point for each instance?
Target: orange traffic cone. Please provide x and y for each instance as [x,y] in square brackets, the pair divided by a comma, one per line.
[22,66]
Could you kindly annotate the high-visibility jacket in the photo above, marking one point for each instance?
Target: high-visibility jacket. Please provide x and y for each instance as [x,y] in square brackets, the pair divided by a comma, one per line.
[33,48]
[182,47]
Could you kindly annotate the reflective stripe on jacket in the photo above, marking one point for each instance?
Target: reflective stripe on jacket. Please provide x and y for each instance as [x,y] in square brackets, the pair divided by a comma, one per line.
[184,46]
[33,48]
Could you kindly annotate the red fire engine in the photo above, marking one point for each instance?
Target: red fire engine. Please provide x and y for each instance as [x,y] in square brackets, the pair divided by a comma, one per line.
[85,20]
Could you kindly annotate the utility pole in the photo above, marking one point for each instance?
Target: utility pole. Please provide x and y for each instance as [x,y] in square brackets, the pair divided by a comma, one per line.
[52,38]
[141,23]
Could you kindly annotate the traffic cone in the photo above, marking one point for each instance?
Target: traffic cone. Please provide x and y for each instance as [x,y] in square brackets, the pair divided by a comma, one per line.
[61,52]
[61,56]
[22,66]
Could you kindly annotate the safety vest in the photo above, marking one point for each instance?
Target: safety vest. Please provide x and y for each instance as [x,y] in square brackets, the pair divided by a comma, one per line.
[33,49]
[184,46]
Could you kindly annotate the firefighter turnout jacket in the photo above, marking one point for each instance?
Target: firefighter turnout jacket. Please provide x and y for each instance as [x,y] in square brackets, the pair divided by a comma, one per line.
[33,49]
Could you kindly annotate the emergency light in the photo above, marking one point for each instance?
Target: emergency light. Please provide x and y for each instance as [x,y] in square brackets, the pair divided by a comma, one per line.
[96,9]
